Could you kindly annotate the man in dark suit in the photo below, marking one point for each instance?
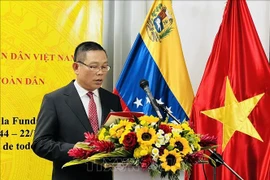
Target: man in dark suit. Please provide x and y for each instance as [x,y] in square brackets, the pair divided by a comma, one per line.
[64,115]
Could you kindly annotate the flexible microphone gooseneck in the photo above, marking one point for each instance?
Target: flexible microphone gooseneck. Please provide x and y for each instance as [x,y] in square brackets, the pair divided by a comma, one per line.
[145,86]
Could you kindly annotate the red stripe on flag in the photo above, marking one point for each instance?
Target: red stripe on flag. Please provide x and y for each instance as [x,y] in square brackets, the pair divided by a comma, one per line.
[123,104]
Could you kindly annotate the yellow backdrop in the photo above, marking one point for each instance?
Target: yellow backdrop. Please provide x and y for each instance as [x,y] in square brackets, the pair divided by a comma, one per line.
[38,39]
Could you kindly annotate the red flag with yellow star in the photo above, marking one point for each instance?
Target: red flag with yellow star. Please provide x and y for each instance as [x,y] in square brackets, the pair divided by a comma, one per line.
[233,99]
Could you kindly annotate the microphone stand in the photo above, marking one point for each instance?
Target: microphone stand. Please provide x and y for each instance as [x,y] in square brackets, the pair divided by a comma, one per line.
[219,161]
[165,110]
[215,156]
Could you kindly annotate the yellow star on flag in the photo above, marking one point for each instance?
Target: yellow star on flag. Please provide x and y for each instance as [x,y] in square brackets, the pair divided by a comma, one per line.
[234,115]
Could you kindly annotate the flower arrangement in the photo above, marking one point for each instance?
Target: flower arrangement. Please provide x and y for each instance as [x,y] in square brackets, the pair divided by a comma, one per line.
[162,148]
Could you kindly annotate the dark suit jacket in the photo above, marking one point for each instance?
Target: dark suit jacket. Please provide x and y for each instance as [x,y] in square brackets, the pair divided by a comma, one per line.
[61,123]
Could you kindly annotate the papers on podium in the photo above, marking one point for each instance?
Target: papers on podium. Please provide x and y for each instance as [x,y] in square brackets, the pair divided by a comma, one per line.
[113,116]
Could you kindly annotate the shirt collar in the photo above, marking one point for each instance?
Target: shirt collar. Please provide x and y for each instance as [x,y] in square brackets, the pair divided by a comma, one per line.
[82,91]
[95,92]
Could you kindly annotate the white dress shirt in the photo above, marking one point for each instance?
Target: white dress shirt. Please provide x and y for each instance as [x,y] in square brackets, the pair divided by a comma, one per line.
[85,100]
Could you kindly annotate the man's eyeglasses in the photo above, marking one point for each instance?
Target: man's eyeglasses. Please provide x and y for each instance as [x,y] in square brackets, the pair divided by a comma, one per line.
[95,68]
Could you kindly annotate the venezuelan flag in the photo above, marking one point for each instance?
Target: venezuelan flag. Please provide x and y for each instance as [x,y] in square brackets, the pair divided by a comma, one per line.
[157,56]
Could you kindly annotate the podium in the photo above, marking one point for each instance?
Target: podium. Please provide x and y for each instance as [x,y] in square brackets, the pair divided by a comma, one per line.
[136,173]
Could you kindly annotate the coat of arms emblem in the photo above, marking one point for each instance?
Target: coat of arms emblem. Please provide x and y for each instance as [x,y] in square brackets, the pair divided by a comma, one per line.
[159,25]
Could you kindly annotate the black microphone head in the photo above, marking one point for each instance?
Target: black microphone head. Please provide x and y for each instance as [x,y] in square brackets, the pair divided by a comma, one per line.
[143,83]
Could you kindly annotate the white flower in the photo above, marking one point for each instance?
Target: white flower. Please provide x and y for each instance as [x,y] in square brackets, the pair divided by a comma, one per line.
[155,151]
[157,144]
[167,138]
[160,131]
[176,131]
[192,147]
[160,136]
[153,124]
[155,158]
[137,127]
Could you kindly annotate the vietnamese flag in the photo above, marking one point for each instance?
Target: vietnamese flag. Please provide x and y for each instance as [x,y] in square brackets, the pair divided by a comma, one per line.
[233,99]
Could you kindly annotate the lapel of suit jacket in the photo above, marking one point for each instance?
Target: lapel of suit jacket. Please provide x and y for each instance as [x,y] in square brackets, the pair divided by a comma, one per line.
[74,102]
[103,100]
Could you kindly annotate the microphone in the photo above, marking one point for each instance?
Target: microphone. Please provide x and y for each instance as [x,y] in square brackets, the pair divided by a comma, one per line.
[145,86]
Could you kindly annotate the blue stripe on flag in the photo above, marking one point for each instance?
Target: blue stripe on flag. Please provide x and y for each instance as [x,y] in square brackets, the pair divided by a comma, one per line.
[141,65]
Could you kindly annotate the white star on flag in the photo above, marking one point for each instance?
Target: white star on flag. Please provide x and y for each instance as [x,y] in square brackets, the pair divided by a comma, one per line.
[138,102]
[169,109]
[159,101]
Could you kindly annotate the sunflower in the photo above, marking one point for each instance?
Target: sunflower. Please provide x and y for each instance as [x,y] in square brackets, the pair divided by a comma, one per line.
[176,126]
[186,127]
[118,129]
[103,134]
[142,151]
[146,136]
[146,120]
[171,160]
[181,144]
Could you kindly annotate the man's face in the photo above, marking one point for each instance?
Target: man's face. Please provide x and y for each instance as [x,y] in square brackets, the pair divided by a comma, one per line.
[88,78]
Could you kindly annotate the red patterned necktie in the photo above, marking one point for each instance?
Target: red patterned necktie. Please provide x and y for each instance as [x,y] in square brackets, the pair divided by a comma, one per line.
[92,111]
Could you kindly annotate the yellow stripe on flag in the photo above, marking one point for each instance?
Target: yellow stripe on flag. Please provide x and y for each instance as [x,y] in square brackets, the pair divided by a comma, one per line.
[165,47]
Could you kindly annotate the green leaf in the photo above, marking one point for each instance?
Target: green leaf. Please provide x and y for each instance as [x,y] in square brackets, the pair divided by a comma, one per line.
[116,153]
[170,147]
[75,162]
[97,158]
[154,170]
[82,145]
[165,33]
[209,147]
